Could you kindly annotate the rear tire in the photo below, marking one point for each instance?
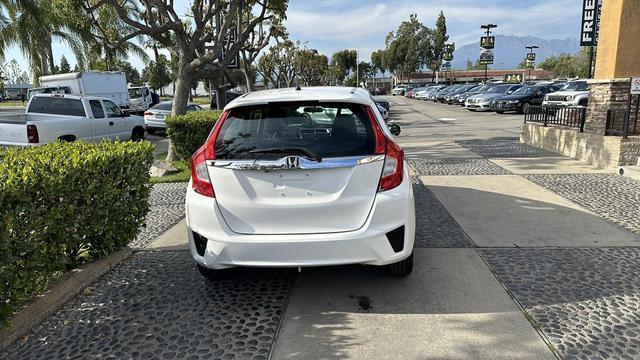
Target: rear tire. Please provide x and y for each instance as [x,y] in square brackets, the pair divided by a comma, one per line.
[500,111]
[137,134]
[524,108]
[401,268]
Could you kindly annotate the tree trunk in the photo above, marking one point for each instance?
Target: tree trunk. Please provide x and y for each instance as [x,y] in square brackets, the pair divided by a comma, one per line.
[247,79]
[49,50]
[181,93]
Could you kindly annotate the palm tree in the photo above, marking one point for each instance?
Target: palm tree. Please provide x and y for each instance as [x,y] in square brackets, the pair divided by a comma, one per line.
[33,25]
[106,45]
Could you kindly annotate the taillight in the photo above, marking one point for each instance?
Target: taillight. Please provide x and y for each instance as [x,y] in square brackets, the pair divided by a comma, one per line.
[393,169]
[200,175]
[200,180]
[148,113]
[32,134]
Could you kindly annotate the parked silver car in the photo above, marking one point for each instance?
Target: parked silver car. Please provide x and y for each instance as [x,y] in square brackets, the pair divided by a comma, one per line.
[154,118]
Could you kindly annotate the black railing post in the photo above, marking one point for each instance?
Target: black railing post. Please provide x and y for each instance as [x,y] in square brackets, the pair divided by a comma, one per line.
[545,115]
[583,118]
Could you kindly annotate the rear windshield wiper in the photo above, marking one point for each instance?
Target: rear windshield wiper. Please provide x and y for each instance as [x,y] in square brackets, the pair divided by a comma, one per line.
[289,150]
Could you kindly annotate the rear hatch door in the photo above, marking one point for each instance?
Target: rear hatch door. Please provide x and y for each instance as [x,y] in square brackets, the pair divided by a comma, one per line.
[296,168]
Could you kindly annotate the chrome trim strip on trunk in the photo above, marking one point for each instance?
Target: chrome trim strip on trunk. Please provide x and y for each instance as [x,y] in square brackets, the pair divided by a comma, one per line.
[304,163]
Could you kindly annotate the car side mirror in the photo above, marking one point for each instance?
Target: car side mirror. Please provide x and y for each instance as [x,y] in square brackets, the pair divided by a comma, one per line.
[394,129]
[510,92]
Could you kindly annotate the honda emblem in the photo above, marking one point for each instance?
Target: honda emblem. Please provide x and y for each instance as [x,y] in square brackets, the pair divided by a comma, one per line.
[293,162]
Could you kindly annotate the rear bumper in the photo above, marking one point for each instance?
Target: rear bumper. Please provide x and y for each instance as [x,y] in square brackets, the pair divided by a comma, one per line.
[367,245]
[155,124]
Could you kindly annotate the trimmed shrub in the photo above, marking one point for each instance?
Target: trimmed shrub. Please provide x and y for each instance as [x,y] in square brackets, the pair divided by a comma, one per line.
[188,132]
[63,204]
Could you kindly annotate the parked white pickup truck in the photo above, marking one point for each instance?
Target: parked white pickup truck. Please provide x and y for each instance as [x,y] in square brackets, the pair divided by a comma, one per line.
[51,117]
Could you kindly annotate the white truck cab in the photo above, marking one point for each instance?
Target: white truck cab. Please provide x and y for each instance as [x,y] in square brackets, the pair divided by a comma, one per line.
[52,117]
[141,99]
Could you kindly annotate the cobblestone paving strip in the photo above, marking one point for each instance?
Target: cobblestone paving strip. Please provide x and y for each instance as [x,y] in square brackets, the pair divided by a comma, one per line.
[586,301]
[167,209]
[503,148]
[156,305]
[434,226]
[456,167]
[612,197]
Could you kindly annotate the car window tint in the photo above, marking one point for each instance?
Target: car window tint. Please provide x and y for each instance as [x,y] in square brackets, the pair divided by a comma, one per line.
[57,106]
[112,109]
[327,129]
[163,106]
[96,109]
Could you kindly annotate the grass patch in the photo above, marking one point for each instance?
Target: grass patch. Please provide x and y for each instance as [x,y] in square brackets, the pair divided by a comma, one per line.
[12,103]
[182,176]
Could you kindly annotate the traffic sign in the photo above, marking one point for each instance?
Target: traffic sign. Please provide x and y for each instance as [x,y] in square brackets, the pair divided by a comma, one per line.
[635,86]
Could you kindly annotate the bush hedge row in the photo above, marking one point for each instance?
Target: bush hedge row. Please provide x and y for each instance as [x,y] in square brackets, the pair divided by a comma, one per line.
[63,204]
[188,132]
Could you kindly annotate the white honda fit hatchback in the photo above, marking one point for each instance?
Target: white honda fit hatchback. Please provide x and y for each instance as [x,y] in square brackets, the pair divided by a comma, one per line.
[301,177]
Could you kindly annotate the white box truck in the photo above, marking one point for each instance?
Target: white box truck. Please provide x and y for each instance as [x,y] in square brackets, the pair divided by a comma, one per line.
[107,84]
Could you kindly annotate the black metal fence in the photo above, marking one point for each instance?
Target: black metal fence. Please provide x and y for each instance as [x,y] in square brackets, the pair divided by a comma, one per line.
[573,117]
[618,118]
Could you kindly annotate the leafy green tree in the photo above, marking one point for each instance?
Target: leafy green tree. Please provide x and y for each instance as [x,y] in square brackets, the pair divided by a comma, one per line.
[311,66]
[33,25]
[439,38]
[64,65]
[185,35]
[567,65]
[409,48]
[278,65]
[157,74]
[344,62]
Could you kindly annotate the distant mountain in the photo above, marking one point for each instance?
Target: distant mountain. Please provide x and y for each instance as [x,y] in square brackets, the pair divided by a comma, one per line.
[510,50]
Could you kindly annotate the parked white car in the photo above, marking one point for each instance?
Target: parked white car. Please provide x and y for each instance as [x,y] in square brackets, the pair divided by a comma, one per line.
[296,178]
[155,118]
[52,117]
[399,90]
[572,94]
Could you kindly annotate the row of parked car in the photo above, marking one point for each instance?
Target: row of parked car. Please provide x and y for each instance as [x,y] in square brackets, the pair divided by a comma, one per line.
[502,97]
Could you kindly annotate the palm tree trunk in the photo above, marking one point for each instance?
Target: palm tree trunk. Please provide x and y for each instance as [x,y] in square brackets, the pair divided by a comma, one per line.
[49,49]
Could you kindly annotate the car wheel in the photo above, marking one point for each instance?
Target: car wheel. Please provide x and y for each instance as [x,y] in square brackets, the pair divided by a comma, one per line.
[500,111]
[525,108]
[401,268]
[137,134]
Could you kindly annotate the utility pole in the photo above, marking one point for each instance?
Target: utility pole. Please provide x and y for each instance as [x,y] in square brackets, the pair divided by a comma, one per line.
[357,68]
[488,28]
[530,58]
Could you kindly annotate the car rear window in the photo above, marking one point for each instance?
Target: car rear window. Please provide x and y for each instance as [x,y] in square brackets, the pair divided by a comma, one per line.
[163,106]
[57,106]
[325,129]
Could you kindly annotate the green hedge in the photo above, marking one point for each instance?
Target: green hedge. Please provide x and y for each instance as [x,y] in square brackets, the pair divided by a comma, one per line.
[63,204]
[188,132]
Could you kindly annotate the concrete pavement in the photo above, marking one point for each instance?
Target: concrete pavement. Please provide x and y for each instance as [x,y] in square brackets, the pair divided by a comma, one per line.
[451,307]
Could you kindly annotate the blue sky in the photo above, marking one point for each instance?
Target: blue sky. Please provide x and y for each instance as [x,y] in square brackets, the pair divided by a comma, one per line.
[330,25]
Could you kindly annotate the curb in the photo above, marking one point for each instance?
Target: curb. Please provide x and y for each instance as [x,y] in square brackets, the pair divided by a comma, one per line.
[57,295]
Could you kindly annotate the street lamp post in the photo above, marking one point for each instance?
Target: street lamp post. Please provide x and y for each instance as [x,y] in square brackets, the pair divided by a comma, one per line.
[531,48]
[488,28]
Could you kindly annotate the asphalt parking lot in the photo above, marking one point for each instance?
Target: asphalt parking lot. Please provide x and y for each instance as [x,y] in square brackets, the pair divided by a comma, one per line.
[520,253]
